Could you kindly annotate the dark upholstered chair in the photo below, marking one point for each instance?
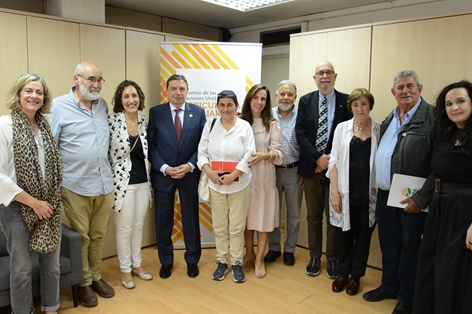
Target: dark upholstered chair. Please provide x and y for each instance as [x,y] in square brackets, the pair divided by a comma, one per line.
[70,261]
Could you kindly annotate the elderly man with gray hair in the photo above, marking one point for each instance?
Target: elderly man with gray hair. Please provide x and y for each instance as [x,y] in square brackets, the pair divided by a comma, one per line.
[406,147]
[288,181]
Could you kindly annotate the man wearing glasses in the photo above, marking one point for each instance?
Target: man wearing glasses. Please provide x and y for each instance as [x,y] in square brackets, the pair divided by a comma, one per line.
[319,113]
[80,127]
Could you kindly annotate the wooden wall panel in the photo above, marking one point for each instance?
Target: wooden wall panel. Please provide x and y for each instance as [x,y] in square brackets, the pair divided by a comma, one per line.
[105,47]
[143,64]
[349,52]
[13,55]
[275,68]
[53,52]
[395,47]
[446,53]
[305,53]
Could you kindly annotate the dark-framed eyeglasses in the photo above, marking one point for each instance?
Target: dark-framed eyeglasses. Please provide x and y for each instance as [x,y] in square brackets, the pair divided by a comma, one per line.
[93,79]
[322,73]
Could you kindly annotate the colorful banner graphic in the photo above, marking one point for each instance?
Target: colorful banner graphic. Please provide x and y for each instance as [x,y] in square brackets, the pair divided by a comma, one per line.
[209,69]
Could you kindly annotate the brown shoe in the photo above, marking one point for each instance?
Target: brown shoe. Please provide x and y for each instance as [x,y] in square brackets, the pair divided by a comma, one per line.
[339,283]
[352,287]
[103,289]
[87,297]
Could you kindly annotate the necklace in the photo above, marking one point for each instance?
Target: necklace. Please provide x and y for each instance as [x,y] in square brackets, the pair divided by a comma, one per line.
[363,126]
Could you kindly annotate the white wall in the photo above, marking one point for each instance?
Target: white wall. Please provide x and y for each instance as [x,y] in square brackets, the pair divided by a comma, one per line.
[388,11]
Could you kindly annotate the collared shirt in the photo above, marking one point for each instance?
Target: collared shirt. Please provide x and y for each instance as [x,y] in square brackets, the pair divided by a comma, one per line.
[331,104]
[237,144]
[83,141]
[290,147]
[181,113]
[181,116]
[383,158]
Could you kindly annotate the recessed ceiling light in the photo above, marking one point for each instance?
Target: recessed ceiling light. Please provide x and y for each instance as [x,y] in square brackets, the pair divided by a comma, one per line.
[246,5]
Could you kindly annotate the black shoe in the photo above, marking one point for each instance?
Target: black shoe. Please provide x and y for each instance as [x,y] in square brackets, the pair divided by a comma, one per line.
[313,267]
[376,295]
[401,308]
[272,256]
[289,259]
[192,270]
[165,271]
[332,270]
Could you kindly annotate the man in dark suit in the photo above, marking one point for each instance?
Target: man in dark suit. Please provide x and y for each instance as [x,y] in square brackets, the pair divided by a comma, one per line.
[319,113]
[174,132]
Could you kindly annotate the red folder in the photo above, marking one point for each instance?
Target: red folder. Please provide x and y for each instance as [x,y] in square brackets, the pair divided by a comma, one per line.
[225,166]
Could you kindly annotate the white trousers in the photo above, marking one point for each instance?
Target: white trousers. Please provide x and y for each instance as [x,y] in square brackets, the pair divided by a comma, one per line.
[129,226]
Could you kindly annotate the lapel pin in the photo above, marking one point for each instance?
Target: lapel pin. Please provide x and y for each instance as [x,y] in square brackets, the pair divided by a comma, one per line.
[190,115]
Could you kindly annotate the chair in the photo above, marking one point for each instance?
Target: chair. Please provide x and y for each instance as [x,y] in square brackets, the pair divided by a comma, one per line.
[70,263]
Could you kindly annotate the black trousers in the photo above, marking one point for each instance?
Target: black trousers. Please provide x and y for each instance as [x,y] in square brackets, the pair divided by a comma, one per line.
[354,244]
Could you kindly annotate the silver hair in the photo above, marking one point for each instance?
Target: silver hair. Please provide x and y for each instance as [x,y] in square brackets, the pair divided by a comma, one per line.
[407,73]
[286,82]
[79,69]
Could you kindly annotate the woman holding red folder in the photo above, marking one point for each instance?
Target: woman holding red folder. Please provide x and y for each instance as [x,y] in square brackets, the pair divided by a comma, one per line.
[229,142]
[263,215]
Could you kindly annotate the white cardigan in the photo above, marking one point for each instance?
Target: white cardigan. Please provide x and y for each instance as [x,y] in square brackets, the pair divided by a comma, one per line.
[119,148]
[340,158]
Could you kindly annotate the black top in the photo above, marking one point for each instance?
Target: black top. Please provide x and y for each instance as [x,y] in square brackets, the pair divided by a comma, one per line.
[359,171]
[138,167]
[451,163]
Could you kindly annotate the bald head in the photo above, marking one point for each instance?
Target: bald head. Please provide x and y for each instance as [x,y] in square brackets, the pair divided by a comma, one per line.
[88,81]
[325,77]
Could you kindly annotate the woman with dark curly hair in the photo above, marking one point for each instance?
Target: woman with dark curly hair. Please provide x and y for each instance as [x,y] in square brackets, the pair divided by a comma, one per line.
[131,174]
[263,214]
[444,275]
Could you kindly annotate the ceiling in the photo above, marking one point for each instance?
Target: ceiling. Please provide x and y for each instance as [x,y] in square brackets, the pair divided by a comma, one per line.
[200,12]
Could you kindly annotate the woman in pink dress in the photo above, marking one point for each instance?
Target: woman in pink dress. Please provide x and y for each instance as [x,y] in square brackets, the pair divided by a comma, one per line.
[263,214]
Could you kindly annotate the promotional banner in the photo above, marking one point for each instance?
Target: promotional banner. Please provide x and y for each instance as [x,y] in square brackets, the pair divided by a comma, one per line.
[209,69]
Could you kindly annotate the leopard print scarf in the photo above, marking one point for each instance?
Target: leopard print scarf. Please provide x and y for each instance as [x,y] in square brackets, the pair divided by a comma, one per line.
[45,234]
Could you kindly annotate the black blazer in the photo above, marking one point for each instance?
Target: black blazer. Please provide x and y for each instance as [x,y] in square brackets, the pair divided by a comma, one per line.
[307,126]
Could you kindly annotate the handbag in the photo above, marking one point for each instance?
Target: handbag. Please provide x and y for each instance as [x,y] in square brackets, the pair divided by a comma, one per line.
[203,188]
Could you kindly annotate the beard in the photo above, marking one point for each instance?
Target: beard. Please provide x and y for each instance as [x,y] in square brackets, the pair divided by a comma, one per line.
[285,107]
[88,93]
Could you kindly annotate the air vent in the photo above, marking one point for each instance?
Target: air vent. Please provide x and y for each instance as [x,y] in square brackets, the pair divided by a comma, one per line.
[278,37]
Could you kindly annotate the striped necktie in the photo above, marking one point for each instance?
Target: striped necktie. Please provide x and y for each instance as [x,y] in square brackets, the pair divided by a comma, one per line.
[322,134]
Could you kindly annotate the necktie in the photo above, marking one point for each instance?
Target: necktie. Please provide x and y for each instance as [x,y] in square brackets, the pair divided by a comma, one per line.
[177,124]
[322,134]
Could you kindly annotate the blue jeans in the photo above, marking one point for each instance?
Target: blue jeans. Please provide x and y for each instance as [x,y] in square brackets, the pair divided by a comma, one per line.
[21,265]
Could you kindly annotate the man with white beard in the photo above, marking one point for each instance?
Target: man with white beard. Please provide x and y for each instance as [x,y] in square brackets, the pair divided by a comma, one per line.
[288,181]
[80,127]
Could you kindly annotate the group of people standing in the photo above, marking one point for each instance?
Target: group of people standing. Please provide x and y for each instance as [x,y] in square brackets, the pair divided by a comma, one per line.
[74,156]
[426,257]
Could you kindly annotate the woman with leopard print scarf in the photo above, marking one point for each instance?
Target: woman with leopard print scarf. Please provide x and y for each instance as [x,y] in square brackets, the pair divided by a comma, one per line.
[30,202]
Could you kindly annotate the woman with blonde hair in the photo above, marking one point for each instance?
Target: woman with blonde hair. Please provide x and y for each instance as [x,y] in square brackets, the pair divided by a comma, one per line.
[30,202]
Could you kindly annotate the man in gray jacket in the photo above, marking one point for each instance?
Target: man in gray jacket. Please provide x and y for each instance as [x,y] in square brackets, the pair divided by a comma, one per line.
[406,146]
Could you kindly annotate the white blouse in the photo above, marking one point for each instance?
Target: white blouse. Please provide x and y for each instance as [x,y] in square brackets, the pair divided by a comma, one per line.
[237,144]
[8,181]
[340,158]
